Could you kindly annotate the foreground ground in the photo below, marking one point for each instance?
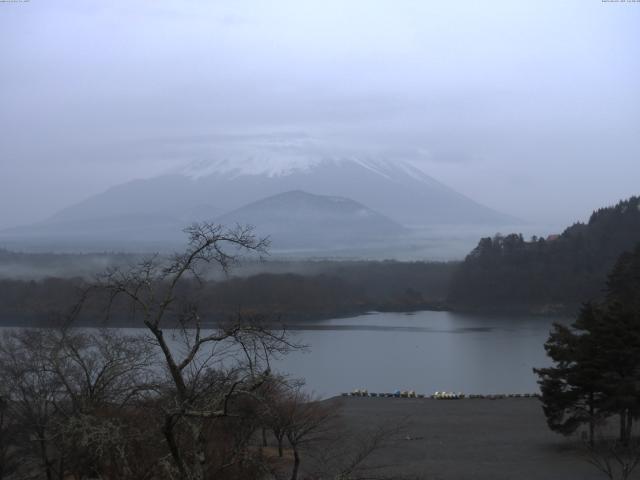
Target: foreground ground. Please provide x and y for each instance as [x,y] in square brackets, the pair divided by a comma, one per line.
[471,439]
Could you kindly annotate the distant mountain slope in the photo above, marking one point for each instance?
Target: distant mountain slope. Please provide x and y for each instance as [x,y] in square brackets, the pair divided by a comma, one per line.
[547,274]
[150,214]
[394,188]
[298,219]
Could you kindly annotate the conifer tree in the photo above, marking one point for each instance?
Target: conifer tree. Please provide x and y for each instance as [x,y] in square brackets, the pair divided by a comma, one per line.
[572,390]
[596,372]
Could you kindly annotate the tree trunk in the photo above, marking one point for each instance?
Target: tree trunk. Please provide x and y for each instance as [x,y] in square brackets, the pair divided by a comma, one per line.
[279,446]
[61,468]
[629,425]
[592,421]
[264,437]
[45,459]
[167,430]
[201,457]
[296,463]
[623,427]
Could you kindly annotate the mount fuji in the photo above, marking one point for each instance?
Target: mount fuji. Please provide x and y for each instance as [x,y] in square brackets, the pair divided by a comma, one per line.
[396,189]
[158,208]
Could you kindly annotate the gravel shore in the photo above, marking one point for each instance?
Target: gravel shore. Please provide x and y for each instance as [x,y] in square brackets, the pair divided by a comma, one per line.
[471,439]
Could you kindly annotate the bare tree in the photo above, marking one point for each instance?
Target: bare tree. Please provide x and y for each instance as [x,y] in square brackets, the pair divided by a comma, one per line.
[8,458]
[101,367]
[103,376]
[65,389]
[305,421]
[357,464]
[182,400]
[207,368]
[614,458]
[32,394]
[315,429]
[275,412]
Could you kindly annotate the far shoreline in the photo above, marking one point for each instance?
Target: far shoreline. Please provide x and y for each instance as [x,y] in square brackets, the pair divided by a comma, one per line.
[303,322]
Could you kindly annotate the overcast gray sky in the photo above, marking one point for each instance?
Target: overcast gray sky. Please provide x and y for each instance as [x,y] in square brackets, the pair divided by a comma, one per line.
[531,107]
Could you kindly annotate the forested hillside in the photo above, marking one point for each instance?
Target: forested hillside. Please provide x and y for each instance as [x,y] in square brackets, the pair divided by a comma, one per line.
[545,275]
[328,290]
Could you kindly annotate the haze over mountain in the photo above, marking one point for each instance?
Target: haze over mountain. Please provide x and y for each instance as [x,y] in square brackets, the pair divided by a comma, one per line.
[394,188]
[155,210]
[301,220]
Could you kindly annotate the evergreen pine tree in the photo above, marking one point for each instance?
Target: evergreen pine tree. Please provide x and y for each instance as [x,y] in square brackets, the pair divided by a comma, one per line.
[596,372]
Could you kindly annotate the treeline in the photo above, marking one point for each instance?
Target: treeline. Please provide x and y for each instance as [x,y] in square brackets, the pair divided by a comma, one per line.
[343,289]
[544,275]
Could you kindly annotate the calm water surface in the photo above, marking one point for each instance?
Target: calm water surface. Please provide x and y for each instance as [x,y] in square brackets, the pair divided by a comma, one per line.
[422,351]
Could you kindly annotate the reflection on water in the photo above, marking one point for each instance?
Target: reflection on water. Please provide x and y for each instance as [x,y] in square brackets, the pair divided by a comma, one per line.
[380,328]
[422,351]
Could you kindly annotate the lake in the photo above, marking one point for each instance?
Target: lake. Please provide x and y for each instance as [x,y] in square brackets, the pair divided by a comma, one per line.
[423,351]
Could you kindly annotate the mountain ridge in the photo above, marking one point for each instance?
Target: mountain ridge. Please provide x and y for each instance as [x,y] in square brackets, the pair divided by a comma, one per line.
[301,220]
[398,190]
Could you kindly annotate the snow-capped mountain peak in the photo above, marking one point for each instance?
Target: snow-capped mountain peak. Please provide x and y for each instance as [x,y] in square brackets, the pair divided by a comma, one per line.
[286,164]
[227,176]
[270,166]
